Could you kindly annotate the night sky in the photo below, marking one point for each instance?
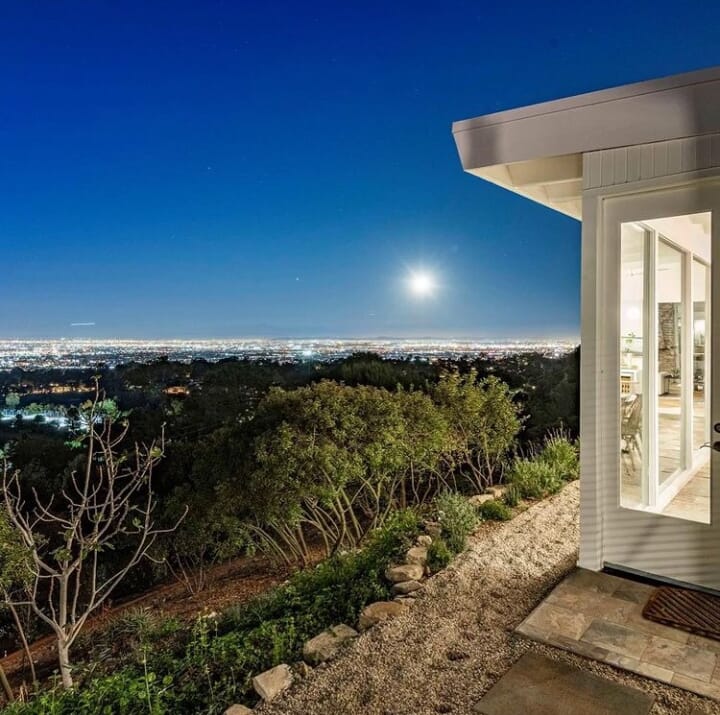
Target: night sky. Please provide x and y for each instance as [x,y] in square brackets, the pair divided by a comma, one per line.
[215,169]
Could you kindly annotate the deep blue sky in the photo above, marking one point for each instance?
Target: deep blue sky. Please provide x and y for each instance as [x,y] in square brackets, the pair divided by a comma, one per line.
[172,169]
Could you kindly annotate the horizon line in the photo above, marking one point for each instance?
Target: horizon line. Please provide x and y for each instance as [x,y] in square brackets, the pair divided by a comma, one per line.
[456,338]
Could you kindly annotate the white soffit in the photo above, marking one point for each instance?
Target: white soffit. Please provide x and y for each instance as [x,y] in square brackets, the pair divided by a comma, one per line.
[537,151]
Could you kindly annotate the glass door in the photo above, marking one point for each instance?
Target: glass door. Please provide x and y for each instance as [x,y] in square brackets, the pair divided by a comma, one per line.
[664,366]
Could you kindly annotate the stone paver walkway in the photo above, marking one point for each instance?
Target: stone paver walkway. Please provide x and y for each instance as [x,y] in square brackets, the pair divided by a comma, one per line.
[543,686]
[600,616]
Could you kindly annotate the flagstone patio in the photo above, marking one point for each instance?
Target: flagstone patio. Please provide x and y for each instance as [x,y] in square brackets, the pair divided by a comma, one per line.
[599,616]
[543,686]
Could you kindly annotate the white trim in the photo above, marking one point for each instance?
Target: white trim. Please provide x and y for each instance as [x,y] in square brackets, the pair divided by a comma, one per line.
[649,477]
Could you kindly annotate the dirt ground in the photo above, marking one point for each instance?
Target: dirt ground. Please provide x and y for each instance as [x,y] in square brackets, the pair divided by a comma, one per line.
[457,640]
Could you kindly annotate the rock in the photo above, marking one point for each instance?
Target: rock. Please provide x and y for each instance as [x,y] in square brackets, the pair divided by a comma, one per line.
[457,655]
[433,528]
[271,683]
[424,540]
[405,600]
[405,572]
[406,587]
[416,555]
[301,669]
[380,611]
[326,645]
[497,491]
[238,710]
[478,499]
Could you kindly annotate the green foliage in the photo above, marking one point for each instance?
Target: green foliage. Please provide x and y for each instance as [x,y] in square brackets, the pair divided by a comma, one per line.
[15,558]
[494,510]
[484,421]
[439,555]
[562,455]
[12,400]
[213,667]
[545,473]
[512,495]
[534,478]
[129,634]
[214,527]
[336,460]
[122,693]
[457,519]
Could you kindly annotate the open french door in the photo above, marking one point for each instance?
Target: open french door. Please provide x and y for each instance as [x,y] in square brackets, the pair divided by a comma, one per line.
[663,286]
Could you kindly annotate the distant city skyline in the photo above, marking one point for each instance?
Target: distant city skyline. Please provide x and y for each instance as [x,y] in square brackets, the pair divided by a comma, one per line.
[281,169]
[40,354]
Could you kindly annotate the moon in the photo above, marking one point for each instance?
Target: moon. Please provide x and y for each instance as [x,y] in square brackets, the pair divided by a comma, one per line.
[421,284]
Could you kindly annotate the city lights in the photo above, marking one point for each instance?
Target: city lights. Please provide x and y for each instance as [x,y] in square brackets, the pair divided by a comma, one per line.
[34,354]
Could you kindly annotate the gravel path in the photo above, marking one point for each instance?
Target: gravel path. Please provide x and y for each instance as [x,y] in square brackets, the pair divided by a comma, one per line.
[457,640]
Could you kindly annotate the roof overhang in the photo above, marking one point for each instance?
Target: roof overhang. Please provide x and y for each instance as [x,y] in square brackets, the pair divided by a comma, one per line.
[537,151]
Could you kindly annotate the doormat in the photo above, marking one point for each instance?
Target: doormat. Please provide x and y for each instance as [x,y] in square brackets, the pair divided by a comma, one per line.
[688,610]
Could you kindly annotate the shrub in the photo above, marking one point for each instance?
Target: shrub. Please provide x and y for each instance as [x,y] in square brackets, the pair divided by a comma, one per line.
[545,473]
[122,693]
[439,555]
[512,495]
[494,510]
[534,478]
[561,454]
[457,519]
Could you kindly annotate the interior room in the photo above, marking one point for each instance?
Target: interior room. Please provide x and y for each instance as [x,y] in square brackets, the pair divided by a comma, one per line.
[664,366]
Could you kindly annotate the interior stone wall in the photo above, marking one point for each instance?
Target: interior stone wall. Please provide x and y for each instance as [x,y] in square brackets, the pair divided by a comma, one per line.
[668,352]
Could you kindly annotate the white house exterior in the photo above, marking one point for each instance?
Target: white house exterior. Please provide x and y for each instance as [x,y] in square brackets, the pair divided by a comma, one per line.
[639,166]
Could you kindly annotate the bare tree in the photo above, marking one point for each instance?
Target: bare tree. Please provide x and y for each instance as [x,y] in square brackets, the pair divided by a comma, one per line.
[107,504]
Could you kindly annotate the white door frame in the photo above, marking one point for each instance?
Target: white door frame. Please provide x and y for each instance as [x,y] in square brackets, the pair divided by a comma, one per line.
[665,547]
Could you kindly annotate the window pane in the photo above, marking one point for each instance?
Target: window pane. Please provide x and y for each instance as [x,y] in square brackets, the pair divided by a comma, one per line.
[632,309]
[669,288]
[700,386]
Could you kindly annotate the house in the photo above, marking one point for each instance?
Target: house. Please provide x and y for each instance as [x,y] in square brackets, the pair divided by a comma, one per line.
[639,167]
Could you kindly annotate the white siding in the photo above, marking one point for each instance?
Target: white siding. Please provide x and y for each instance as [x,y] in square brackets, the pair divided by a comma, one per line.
[625,165]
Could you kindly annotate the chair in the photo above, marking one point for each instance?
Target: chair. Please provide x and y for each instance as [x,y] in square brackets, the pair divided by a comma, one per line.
[631,423]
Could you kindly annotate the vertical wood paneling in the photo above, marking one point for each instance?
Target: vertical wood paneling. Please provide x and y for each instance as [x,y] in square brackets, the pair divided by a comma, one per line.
[633,172]
[715,150]
[674,158]
[625,165]
[608,167]
[660,155]
[620,157]
[594,174]
[688,160]
[703,158]
[647,161]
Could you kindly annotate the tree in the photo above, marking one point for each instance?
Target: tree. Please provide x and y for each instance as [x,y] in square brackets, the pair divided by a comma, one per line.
[484,420]
[12,400]
[109,502]
[428,447]
[15,578]
[329,458]
[207,479]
